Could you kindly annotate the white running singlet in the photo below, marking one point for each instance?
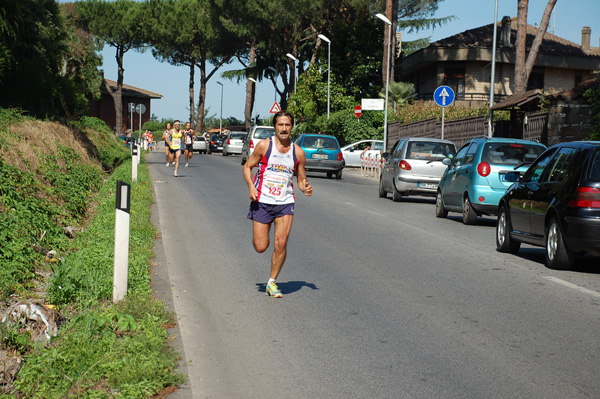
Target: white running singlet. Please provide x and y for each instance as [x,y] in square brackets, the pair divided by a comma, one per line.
[274,178]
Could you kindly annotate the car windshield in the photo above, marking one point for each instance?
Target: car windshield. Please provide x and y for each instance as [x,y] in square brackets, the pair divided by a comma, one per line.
[511,153]
[263,133]
[320,142]
[595,167]
[429,150]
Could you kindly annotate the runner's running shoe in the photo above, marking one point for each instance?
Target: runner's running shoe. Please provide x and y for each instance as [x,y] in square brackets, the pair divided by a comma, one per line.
[175,174]
[273,290]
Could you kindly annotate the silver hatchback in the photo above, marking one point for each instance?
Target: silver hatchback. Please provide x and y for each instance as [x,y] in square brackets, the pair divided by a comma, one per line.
[414,167]
[233,143]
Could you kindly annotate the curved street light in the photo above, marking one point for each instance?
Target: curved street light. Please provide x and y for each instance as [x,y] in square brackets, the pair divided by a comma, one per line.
[291,57]
[324,38]
[387,79]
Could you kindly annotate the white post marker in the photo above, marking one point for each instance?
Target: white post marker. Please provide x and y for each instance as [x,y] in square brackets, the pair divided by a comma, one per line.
[443,96]
[121,260]
[134,161]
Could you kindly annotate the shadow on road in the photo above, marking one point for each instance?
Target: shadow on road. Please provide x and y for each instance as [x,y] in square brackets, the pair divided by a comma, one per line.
[584,264]
[289,287]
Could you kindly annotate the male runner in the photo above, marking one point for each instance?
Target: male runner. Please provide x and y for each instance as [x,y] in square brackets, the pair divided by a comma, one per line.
[166,134]
[175,142]
[272,192]
[190,136]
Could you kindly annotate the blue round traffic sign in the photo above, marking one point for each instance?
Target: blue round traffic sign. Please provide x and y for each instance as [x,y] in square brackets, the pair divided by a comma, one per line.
[443,96]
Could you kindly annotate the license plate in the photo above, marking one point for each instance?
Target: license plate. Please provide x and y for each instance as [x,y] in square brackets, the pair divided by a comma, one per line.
[428,185]
[320,156]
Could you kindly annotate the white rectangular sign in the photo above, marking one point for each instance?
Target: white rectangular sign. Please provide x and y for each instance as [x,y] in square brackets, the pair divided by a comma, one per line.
[372,104]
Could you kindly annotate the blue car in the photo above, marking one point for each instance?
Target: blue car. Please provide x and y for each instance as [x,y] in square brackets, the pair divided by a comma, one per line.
[475,179]
[323,154]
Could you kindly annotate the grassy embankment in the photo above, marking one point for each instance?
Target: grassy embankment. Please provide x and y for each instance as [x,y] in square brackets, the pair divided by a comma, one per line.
[57,192]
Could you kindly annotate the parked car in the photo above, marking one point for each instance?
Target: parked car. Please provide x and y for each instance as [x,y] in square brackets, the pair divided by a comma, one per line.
[414,167]
[476,177]
[233,143]
[351,152]
[200,144]
[555,204]
[215,144]
[256,134]
[323,154]
[127,140]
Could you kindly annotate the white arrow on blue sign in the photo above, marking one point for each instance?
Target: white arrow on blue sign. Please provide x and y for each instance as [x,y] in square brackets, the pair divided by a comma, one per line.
[443,96]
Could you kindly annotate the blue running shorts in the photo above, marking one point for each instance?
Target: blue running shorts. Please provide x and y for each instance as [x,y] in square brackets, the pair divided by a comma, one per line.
[266,213]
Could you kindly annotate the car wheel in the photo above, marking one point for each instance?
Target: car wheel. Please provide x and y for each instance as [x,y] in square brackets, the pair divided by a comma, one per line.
[224,153]
[440,211]
[242,161]
[558,255]
[338,175]
[469,214]
[503,241]
[396,196]
[382,192]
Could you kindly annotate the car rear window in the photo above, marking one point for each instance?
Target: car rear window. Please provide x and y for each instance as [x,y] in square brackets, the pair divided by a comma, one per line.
[263,133]
[595,167]
[429,150]
[237,135]
[320,142]
[511,153]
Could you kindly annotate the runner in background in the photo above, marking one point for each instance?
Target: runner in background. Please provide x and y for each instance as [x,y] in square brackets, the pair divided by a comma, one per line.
[189,136]
[175,141]
[166,133]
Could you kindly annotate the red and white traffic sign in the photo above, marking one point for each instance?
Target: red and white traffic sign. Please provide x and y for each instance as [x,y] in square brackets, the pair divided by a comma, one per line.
[358,111]
[275,108]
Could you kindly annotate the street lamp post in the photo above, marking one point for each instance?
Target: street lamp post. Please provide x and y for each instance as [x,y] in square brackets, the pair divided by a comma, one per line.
[493,73]
[324,38]
[387,78]
[253,99]
[221,118]
[291,57]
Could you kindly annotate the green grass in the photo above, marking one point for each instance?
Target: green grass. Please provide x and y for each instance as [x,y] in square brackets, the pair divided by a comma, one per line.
[103,350]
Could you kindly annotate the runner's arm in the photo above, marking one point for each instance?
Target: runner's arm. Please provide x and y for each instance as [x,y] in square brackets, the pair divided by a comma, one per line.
[253,160]
[303,184]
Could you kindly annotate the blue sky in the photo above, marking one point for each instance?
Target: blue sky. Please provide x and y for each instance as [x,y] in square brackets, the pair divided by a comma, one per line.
[143,71]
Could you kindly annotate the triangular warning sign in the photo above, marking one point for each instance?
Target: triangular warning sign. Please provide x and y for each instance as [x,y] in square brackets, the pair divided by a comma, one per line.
[275,108]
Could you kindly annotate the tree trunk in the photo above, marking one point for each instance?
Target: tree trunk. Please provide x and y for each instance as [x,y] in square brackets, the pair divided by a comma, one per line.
[191,93]
[250,91]
[392,14]
[523,67]
[537,42]
[117,95]
[201,97]
[520,81]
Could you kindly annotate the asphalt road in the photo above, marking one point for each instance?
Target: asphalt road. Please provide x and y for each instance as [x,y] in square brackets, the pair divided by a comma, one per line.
[381,299]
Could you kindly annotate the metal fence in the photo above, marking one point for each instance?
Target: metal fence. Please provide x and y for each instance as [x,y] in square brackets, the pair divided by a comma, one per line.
[458,131]
[535,127]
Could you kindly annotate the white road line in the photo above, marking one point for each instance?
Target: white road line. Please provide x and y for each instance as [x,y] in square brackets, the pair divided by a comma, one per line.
[573,286]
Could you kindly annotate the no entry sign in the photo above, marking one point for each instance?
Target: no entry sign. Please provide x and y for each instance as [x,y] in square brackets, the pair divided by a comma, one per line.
[358,111]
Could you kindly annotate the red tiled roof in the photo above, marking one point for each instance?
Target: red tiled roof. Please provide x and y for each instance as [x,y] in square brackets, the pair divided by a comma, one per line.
[132,91]
[483,37]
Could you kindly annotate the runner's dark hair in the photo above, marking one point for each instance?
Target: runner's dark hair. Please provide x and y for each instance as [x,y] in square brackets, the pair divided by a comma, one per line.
[282,113]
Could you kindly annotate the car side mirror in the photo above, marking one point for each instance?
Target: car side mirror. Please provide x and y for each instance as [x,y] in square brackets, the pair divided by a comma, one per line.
[512,177]
[447,161]
[385,155]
